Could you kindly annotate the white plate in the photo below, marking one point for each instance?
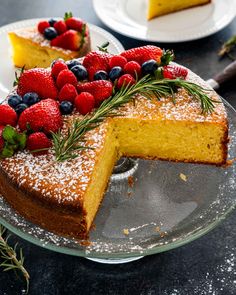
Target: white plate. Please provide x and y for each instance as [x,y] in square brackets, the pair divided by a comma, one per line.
[7,69]
[128,17]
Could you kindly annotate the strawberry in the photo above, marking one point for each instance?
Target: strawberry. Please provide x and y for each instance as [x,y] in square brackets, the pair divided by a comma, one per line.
[84,103]
[64,77]
[42,26]
[7,116]
[57,67]
[38,141]
[68,92]
[37,80]
[100,89]
[125,80]
[174,71]
[73,22]
[2,142]
[133,68]
[43,116]
[60,27]
[96,61]
[117,61]
[142,54]
[69,40]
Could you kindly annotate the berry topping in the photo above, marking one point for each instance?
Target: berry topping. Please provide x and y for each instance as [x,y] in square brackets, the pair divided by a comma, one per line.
[7,115]
[44,116]
[2,142]
[30,98]
[117,61]
[80,72]
[66,107]
[149,67]
[100,75]
[57,67]
[20,108]
[60,27]
[73,22]
[64,77]
[115,73]
[39,81]
[52,21]
[84,103]
[174,71]
[133,68]
[42,26]
[50,33]
[68,92]
[96,61]
[14,100]
[125,80]
[101,90]
[38,141]
[73,62]
[142,54]
[69,40]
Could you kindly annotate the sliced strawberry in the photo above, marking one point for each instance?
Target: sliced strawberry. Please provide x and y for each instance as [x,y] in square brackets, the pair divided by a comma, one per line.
[43,116]
[100,89]
[69,40]
[174,71]
[144,53]
[39,81]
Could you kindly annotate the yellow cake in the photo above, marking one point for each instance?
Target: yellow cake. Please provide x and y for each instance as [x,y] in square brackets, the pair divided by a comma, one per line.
[161,7]
[30,49]
[64,197]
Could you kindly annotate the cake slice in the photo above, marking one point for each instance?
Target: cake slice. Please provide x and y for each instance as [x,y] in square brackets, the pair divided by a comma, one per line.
[161,7]
[61,189]
[39,46]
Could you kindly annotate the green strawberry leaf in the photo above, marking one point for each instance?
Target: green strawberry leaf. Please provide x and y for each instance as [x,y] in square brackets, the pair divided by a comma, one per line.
[7,151]
[9,134]
[21,140]
[104,47]
[167,57]
[68,15]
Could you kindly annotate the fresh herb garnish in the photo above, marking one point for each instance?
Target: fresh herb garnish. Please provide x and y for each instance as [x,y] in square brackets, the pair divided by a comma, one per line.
[227,47]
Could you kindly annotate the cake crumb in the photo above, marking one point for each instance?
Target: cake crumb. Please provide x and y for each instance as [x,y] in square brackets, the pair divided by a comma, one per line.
[126,231]
[131,181]
[157,229]
[183,177]
[163,234]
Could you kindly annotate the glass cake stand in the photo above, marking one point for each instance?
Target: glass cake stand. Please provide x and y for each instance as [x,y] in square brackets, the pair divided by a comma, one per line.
[149,207]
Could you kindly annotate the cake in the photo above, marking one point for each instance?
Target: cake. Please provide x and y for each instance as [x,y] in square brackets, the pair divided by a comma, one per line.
[62,192]
[32,47]
[161,7]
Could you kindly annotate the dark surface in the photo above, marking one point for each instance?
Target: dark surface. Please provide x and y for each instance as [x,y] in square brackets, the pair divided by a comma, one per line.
[206,266]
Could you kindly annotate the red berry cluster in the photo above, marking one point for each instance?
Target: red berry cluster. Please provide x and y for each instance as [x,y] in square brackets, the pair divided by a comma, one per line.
[76,86]
[67,33]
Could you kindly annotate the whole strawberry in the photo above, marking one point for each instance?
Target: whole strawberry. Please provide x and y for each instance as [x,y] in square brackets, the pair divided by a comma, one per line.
[100,90]
[39,81]
[57,67]
[7,116]
[43,116]
[174,71]
[144,53]
[96,61]
[64,77]
[84,103]
[60,27]
[67,93]
[38,141]
[125,80]
[71,40]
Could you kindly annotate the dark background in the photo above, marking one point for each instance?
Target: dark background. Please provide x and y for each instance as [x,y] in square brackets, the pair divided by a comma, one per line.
[206,266]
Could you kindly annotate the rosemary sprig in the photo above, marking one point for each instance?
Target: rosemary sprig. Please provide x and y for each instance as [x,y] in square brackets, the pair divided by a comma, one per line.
[10,257]
[66,146]
[228,46]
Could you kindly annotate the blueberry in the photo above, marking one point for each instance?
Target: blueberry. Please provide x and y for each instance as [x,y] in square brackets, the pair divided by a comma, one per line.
[14,100]
[80,72]
[50,33]
[66,107]
[101,75]
[149,67]
[30,98]
[115,73]
[52,21]
[20,108]
[71,63]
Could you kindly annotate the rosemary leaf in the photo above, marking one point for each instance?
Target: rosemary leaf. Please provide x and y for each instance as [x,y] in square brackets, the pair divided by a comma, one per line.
[228,46]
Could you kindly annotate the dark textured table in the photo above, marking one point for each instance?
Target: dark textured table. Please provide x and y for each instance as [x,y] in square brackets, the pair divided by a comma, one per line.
[206,266]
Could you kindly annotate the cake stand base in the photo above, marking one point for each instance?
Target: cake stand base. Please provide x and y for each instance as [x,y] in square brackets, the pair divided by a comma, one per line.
[115,261]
